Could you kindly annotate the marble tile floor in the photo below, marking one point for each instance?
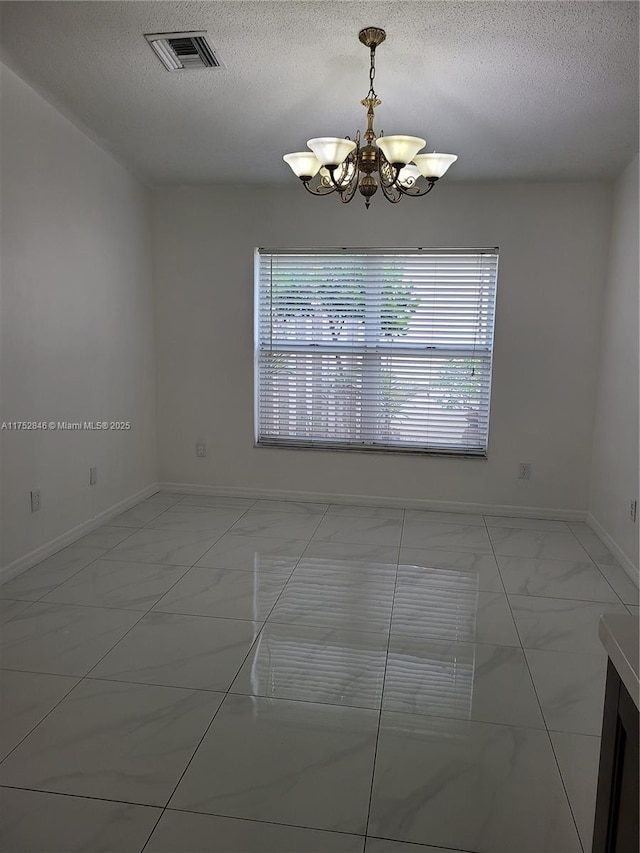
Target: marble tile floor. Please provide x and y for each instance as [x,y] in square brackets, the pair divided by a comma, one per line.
[211,674]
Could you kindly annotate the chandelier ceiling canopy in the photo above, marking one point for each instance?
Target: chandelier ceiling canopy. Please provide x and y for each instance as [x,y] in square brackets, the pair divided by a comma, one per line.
[346,165]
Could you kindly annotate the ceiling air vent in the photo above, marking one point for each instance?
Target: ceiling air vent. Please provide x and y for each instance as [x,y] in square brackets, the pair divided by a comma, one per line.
[177,51]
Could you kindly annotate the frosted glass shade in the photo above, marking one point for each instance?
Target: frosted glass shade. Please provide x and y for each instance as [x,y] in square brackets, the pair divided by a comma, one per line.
[434,165]
[303,163]
[331,150]
[400,149]
[408,175]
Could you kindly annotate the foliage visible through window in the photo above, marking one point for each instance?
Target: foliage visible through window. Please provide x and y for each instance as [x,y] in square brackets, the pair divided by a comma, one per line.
[375,349]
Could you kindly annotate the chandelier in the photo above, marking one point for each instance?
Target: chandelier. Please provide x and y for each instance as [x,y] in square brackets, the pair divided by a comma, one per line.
[345,165]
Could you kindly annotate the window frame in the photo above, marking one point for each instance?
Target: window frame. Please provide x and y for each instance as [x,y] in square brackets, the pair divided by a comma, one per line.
[378,351]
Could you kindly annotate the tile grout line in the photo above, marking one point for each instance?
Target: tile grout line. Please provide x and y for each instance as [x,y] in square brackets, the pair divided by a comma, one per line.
[542,714]
[592,560]
[86,675]
[80,678]
[53,588]
[188,811]
[226,694]
[384,678]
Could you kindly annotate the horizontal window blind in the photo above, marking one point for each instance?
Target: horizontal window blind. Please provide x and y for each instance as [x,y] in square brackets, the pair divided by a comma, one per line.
[375,349]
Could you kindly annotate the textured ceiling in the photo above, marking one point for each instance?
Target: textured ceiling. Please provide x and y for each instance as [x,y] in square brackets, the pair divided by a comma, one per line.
[517,89]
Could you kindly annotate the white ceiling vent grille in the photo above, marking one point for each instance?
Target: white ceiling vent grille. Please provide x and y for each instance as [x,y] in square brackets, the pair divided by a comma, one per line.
[179,51]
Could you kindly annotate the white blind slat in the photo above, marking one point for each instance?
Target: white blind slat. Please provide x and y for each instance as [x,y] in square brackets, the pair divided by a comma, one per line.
[375,349]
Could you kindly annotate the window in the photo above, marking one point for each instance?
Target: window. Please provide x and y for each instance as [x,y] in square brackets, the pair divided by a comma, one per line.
[375,349]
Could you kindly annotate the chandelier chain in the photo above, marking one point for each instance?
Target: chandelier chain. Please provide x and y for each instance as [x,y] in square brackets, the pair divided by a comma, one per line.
[372,73]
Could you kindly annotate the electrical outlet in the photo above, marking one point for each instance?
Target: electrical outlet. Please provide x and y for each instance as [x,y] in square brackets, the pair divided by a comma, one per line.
[201,448]
[524,471]
[633,510]
[35,500]
[93,476]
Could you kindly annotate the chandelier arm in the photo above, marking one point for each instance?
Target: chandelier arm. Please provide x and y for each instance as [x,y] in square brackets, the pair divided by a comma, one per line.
[388,173]
[350,190]
[416,192]
[318,190]
[351,160]
[389,180]
[390,192]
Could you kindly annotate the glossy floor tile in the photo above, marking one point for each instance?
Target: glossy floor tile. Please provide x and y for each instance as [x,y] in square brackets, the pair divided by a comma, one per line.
[626,590]
[165,547]
[570,689]
[469,786]
[357,530]
[225,593]
[35,822]
[174,650]
[366,511]
[239,675]
[253,553]
[301,507]
[579,758]
[282,525]
[555,579]
[105,537]
[182,517]
[166,498]
[319,567]
[524,523]
[473,682]
[140,515]
[462,568]
[337,599]
[288,762]
[352,555]
[543,544]
[128,742]
[107,583]
[431,516]
[560,625]
[217,501]
[330,665]
[25,699]
[447,536]
[424,609]
[205,833]
[10,608]
[384,845]
[592,544]
[62,639]
[41,579]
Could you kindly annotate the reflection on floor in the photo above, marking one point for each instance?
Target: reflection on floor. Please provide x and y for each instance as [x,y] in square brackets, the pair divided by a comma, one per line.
[223,674]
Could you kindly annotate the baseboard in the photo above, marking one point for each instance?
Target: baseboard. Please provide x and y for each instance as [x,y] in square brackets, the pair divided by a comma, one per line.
[53,545]
[627,564]
[75,533]
[368,500]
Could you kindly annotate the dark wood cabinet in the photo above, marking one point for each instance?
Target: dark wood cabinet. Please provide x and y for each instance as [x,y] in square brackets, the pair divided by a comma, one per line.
[616,820]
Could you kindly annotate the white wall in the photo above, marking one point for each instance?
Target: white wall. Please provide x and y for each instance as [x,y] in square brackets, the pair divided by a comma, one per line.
[76,324]
[553,249]
[615,450]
